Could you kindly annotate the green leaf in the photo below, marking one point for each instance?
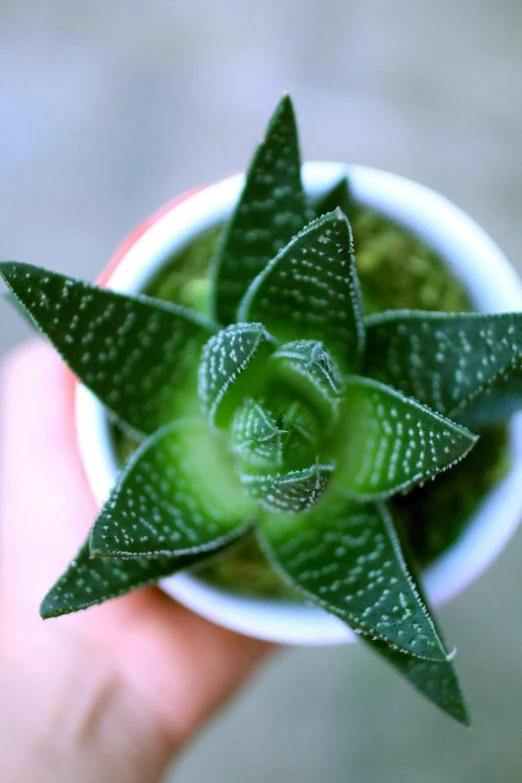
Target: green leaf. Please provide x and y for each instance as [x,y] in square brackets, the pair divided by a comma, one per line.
[137,355]
[292,441]
[392,443]
[310,291]
[311,372]
[280,439]
[465,365]
[256,437]
[436,680]
[346,557]
[9,297]
[338,196]
[179,494]
[496,403]
[93,580]
[294,492]
[226,370]
[270,211]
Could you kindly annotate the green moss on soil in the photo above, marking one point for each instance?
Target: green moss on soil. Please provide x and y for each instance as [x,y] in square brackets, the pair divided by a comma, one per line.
[396,271]
[185,277]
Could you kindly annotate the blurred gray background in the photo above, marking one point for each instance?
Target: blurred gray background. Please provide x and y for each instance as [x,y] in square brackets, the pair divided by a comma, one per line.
[109,108]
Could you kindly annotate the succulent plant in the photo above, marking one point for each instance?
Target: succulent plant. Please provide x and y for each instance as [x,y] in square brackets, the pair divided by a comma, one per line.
[283,410]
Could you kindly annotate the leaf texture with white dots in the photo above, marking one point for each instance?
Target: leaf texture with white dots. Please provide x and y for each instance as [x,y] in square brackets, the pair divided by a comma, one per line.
[310,291]
[137,355]
[92,580]
[271,210]
[392,443]
[437,681]
[346,557]
[294,492]
[225,361]
[179,494]
[465,365]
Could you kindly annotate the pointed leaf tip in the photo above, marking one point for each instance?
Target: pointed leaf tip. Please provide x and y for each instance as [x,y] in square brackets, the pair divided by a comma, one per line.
[346,557]
[93,580]
[294,492]
[393,443]
[467,366]
[284,106]
[136,354]
[178,495]
[225,368]
[338,196]
[437,681]
[270,211]
[309,291]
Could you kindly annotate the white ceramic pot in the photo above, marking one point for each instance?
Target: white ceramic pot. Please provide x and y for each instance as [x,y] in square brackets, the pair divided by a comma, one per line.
[493,286]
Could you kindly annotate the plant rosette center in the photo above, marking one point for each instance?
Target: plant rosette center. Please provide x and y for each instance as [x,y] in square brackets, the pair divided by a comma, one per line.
[268,404]
[280,405]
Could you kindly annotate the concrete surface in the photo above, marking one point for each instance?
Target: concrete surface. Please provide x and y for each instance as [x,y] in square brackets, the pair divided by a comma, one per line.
[110,108]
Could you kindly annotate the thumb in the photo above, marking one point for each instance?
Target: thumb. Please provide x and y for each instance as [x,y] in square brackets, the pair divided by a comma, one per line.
[45,504]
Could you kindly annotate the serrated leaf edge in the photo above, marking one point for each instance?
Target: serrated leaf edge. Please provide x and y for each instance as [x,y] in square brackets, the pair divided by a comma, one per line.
[330,217]
[390,316]
[263,335]
[357,627]
[152,582]
[419,479]
[227,538]
[285,104]
[208,327]
[289,478]
[122,477]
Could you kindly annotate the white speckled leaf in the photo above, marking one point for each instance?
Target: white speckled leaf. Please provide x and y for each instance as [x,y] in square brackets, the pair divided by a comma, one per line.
[255,436]
[294,492]
[346,557]
[136,354]
[179,494]
[436,680]
[225,358]
[310,291]
[465,365]
[306,367]
[93,580]
[392,443]
[270,211]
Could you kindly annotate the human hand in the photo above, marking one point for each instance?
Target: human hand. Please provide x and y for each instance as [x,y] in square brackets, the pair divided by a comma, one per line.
[110,693]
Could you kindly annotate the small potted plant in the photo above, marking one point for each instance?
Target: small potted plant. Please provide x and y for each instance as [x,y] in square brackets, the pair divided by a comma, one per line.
[266,415]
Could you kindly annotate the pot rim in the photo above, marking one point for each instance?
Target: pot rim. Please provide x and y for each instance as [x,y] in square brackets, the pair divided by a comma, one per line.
[493,286]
